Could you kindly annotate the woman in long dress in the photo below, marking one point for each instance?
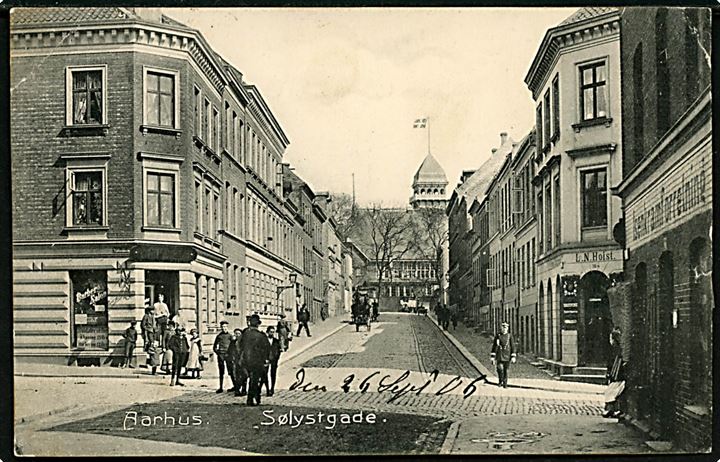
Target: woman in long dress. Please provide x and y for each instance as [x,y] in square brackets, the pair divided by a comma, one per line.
[194,366]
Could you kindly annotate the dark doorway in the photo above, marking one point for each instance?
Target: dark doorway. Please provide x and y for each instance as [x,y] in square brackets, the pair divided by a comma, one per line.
[666,357]
[640,348]
[163,282]
[597,319]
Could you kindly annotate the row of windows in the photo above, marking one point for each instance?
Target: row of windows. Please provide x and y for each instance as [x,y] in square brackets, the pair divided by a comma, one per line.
[406,291]
[412,270]
[262,292]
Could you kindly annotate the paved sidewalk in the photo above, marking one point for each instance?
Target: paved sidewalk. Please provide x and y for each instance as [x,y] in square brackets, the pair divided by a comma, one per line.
[319,332]
[522,374]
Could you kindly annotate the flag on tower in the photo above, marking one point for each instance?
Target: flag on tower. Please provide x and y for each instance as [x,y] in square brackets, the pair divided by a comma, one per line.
[420,123]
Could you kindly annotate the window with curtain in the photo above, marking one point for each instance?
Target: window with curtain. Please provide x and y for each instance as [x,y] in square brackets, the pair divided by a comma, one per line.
[87,199]
[160,199]
[594,198]
[160,93]
[87,97]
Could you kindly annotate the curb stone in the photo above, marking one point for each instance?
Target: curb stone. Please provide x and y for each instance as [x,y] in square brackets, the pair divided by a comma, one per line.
[450,438]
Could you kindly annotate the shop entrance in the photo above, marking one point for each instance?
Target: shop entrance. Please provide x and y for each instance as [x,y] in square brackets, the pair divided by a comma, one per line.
[597,319]
[166,283]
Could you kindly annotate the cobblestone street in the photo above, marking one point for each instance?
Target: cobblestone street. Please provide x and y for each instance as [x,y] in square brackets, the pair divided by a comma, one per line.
[387,371]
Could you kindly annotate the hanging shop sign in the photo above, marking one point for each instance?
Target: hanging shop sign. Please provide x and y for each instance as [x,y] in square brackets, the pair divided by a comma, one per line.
[162,253]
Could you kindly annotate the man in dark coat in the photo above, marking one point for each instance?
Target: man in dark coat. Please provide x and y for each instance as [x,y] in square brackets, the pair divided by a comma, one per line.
[255,348]
[147,326]
[303,319]
[130,337]
[503,353]
[180,348]
[221,347]
[237,374]
[270,376]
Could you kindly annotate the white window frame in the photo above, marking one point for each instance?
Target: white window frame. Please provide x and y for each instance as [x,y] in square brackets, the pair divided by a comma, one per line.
[70,172]
[68,93]
[176,87]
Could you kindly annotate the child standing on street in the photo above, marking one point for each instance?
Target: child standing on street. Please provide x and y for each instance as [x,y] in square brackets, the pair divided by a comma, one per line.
[167,358]
[152,359]
[194,366]
[130,337]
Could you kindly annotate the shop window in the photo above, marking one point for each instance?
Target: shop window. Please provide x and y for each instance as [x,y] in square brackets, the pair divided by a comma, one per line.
[87,198]
[86,96]
[89,310]
[160,199]
[160,99]
[594,198]
[593,88]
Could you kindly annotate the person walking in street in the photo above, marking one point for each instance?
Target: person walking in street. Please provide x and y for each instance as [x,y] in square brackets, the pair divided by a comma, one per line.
[180,348]
[255,348]
[162,316]
[454,316]
[375,311]
[615,376]
[270,376]
[284,333]
[194,365]
[130,337]
[147,326]
[503,353]
[239,372]
[303,319]
[221,348]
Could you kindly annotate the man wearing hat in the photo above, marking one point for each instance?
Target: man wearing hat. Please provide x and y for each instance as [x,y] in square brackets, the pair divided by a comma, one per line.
[147,325]
[221,347]
[503,353]
[180,348]
[130,337]
[255,348]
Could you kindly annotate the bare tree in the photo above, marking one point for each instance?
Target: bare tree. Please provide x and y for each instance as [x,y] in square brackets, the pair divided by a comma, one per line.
[389,238]
[342,209]
[431,237]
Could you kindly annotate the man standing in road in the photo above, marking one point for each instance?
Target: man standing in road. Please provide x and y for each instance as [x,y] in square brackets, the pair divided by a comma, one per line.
[503,353]
[303,317]
[221,348]
[270,376]
[255,348]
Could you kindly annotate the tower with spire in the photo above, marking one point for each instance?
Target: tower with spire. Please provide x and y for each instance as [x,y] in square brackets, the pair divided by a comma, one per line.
[429,185]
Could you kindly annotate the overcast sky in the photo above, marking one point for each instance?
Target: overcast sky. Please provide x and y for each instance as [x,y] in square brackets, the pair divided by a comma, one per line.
[347,84]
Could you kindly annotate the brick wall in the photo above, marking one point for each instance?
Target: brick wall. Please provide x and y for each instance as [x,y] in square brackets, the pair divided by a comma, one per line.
[38,108]
[638,27]
[692,429]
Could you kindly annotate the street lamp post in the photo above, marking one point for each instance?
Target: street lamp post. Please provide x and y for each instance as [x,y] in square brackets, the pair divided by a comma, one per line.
[281,289]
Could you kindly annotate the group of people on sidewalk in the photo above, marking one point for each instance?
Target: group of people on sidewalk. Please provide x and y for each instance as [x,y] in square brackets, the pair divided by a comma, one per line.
[446,315]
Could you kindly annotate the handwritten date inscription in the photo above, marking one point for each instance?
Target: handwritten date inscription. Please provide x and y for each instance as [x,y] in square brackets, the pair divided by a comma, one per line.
[397,387]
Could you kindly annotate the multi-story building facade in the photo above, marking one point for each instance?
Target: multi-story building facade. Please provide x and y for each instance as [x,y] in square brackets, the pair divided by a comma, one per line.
[665,306]
[575,83]
[524,220]
[142,165]
[470,237]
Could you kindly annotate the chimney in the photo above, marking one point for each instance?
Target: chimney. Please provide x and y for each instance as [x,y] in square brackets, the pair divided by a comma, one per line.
[149,14]
[503,138]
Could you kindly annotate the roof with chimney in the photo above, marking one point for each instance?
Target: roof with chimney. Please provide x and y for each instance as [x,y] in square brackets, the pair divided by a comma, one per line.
[430,171]
[476,186]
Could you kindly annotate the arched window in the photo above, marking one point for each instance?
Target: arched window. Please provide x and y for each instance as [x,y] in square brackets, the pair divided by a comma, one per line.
[639,105]
[662,74]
